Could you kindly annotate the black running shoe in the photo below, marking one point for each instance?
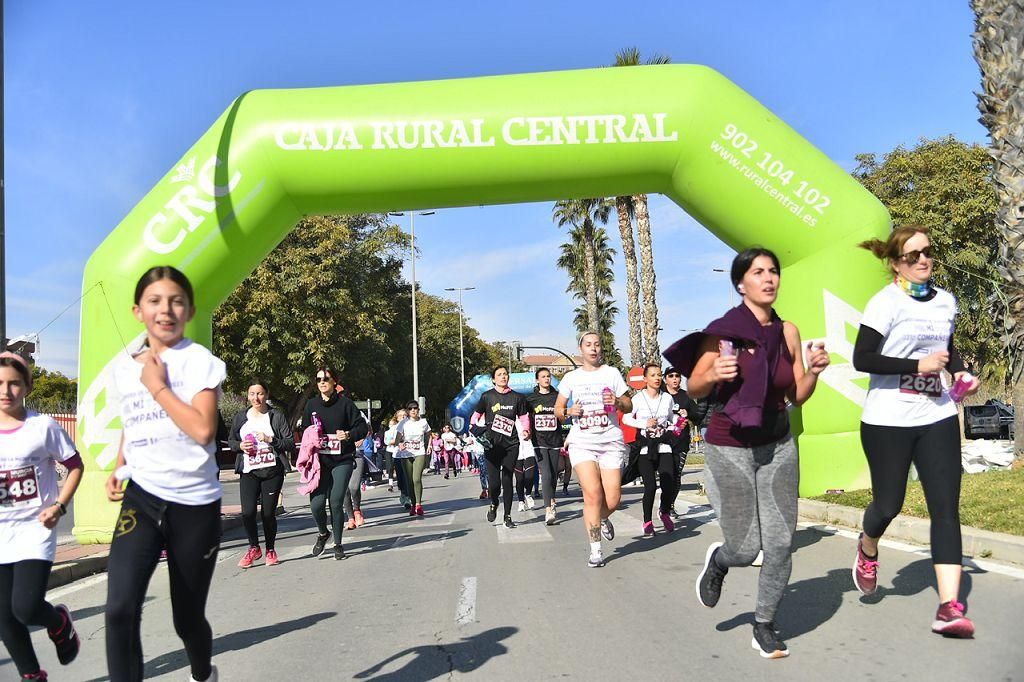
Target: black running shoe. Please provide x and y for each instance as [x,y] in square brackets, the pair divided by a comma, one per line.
[65,639]
[709,582]
[509,523]
[492,513]
[321,542]
[766,641]
[339,553]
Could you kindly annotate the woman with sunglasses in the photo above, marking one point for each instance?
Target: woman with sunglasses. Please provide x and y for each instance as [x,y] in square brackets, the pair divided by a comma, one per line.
[905,342]
[413,443]
[343,425]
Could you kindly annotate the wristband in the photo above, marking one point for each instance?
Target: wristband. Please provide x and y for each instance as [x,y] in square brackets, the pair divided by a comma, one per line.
[60,506]
[164,387]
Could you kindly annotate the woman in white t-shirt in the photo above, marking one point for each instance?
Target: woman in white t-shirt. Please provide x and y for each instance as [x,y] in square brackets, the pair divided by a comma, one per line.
[413,445]
[905,342]
[31,503]
[654,417]
[262,439]
[167,388]
[595,443]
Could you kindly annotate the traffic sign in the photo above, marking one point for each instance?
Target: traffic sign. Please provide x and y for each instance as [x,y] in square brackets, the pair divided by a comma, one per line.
[368,404]
[635,378]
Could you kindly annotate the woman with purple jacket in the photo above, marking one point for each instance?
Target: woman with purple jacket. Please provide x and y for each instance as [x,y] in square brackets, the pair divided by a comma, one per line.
[751,364]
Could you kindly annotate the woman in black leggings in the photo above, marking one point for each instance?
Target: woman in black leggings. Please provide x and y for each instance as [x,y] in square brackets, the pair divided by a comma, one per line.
[905,342]
[167,388]
[262,439]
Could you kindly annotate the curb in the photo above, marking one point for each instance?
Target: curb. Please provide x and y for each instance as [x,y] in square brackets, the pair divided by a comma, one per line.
[69,571]
[976,542]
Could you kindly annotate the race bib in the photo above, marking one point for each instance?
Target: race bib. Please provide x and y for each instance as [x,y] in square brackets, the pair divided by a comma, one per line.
[503,425]
[19,488]
[545,422]
[261,459]
[414,446]
[929,385]
[330,445]
[594,420]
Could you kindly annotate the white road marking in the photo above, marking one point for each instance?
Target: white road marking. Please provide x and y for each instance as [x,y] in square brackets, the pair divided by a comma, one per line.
[465,610]
[415,542]
[524,532]
[61,592]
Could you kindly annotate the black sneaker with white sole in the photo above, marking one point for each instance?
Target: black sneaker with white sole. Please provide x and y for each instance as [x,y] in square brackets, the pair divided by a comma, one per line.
[492,513]
[321,542]
[509,523]
[766,641]
[709,582]
[65,639]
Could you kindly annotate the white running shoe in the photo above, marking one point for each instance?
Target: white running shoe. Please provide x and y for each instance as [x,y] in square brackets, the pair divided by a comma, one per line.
[549,516]
[759,559]
[522,506]
[529,502]
[596,559]
[607,530]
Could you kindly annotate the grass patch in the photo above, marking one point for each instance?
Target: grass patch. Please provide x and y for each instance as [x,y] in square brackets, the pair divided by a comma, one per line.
[693,460]
[991,501]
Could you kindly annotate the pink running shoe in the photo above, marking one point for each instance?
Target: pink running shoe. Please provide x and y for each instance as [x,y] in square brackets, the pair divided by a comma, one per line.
[254,554]
[272,559]
[667,522]
[950,621]
[648,529]
[419,510]
[865,571]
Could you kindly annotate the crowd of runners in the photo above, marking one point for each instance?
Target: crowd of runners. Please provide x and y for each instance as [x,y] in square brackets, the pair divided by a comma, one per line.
[749,366]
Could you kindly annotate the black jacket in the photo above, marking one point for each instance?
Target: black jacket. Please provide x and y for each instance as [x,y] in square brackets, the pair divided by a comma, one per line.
[337,414]
[283,442]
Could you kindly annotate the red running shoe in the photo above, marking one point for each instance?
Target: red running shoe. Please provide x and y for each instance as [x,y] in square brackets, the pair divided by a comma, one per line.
[951,622]
[272,559]
[419,510]
[865,571]
[254,554]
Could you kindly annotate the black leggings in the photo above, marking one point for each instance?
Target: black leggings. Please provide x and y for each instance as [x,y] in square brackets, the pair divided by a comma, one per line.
[499,476]
[191,536]
[665,467]
[935,451]
[253,489]
[23,603]
[526,476]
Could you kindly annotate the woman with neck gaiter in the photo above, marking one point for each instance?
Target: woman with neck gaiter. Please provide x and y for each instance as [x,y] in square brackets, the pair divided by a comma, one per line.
[751,363]
[905,342]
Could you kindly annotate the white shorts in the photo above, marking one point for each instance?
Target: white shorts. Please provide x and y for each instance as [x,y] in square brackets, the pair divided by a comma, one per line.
[608,455]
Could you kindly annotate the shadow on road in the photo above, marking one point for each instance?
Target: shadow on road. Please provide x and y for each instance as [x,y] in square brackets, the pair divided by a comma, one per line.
[685,528]
[429,662]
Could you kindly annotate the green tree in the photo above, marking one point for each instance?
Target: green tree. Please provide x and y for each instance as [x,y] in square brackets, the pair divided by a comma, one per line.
[999,25]
[649,348]
[52,392]
[945,184]
[584,214]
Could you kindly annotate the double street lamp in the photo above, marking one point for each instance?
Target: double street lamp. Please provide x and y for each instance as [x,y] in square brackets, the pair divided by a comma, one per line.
[462,355]
[415,347]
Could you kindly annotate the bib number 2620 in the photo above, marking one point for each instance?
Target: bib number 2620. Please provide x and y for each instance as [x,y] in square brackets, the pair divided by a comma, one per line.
[921,384]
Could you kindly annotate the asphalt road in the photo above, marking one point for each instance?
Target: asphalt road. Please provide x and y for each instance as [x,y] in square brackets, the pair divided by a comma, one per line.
[450,595]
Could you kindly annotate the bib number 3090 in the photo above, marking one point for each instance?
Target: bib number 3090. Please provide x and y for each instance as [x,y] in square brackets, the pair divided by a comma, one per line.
[921,384]
[19,488]
[594,420]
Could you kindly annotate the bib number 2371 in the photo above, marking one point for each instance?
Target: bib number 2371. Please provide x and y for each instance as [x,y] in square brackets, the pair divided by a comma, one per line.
[19,488]
[921,384]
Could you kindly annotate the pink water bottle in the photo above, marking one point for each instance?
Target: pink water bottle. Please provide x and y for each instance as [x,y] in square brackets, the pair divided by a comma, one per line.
[604,397]
[251,440]
[960,386]
[317,423]
[680,423]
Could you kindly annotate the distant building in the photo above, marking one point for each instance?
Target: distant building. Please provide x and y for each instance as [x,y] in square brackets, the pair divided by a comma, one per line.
[558,364]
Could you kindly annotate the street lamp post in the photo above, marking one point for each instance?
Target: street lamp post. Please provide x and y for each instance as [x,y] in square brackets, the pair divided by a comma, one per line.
[415,346]
[462,355]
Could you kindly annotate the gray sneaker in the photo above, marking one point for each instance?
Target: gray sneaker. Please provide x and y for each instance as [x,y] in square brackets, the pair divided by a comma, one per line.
[596,560]
[766,641]
[607,530]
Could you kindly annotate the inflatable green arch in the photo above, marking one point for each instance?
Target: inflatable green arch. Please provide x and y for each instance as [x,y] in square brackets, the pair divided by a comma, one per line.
[684,131]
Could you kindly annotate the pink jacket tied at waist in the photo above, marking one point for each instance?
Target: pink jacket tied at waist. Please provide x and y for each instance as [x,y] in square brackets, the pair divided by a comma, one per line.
[308,461]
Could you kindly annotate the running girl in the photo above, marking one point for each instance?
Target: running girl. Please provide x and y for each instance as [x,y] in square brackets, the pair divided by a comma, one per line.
[30,507]
[167,387]
[754,363]
[595,443]
[262,439]
[905,342]
[495,419]
[450,449]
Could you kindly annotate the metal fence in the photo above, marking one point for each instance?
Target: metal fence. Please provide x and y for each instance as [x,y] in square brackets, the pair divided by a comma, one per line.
[68,421]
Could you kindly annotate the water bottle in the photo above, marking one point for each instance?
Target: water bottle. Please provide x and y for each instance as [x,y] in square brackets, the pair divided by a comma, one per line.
[960,386]
[251,440]
[317,423]
[604,398]
[677,429]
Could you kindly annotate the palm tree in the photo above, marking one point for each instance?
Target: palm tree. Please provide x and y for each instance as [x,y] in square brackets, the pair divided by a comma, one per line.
[999,25]
[624,210]
[583,213]
[649,349]
[571,258]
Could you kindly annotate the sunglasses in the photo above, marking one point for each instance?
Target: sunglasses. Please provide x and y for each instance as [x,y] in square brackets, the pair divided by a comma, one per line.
[673,374]
[323,379]
[911,257]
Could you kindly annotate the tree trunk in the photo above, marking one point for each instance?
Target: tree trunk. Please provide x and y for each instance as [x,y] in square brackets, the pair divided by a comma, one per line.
[999,51]
[636,347]
[590,270]
[647,279]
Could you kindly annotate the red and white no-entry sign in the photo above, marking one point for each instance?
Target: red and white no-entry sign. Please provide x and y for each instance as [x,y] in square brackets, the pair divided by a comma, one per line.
[635,378]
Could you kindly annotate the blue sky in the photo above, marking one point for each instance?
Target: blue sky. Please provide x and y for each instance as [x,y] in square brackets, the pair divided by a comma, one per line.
[101,99]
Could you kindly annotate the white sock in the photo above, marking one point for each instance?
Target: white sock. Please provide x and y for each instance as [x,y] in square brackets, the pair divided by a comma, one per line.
[595,547]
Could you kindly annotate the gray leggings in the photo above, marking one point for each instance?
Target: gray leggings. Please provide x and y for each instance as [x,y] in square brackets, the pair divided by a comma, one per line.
[354,494]
[334,478]
[754,493]
[549,461]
